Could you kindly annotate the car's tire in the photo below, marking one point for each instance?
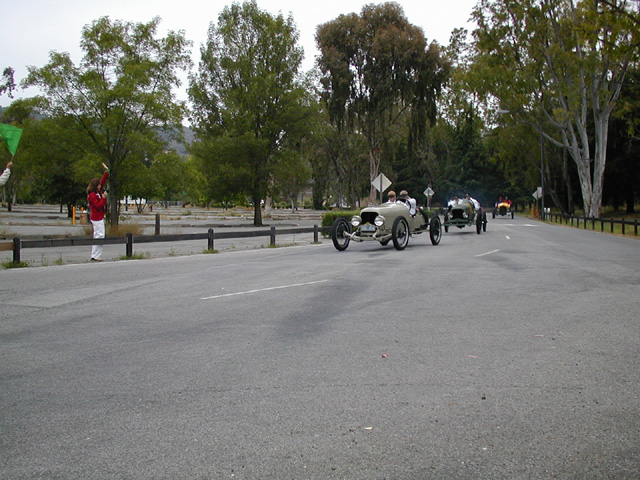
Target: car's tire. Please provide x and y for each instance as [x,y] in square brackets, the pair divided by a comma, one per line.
[338,230]
[493,214]
[484,221]
[400,233]
[512,214]
[446,227]
[478,224]
[435,230]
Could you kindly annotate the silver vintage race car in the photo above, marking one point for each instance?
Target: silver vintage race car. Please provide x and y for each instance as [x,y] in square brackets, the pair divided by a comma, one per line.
[385,223]
[465,215]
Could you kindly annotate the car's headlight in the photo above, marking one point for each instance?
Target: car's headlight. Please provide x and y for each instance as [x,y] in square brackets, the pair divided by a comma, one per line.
[356,220]
[465,215]
[379,221]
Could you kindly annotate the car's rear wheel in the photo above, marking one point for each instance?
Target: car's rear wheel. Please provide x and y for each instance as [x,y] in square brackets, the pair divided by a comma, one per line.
[446,227]
[435,230]
[478,223]
[511,213]
[484,221]
[493,214]
[339,232]
[400,233]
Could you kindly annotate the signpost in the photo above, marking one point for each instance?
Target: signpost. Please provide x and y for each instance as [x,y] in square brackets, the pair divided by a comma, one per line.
[381,183]
[429,194]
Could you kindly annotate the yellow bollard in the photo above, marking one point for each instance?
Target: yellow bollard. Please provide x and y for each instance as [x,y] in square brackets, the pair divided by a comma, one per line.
[73,215]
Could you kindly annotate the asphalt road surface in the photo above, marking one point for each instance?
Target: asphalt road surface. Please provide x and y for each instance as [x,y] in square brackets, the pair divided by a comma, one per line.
[512,354]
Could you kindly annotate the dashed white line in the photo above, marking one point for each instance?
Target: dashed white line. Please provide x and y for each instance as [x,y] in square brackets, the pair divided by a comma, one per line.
[263,290]
[507,237]
[488,253]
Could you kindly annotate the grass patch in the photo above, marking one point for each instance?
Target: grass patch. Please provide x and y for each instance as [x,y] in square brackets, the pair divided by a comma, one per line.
[12,264]
[209,251]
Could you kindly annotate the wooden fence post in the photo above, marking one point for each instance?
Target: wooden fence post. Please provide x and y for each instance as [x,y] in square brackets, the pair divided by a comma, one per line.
[273,236]
[210,240]
[16,250]
[129,245]
[315,233]
[157,224]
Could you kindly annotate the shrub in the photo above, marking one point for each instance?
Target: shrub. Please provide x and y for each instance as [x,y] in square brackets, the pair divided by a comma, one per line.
[330,217]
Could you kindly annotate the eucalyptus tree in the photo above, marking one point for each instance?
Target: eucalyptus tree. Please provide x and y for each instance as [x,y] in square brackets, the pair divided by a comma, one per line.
[120,96]
[375,67]
[559,66]
[248,102]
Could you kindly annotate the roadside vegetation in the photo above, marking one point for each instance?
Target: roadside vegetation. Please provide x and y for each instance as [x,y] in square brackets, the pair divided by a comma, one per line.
[494,112]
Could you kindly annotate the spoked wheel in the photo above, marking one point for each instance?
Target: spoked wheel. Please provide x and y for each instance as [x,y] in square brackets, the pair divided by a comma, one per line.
[400,233]
[435,230]
[339,232]
[446,227]
[479,224]
[484,221]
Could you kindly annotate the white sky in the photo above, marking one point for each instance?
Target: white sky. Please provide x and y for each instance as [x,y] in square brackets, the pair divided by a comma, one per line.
[30,29]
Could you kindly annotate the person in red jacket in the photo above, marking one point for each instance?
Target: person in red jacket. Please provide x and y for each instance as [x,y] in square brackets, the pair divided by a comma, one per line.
[97,199]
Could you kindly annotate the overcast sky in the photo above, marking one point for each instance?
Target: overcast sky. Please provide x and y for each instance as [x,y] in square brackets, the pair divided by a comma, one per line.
[30,29]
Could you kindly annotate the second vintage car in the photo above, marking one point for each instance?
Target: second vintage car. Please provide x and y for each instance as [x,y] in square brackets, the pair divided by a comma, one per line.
[463,214]
[385,223]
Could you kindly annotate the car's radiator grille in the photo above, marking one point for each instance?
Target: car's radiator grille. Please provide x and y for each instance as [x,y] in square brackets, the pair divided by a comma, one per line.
[457,214]
[503,210]
[368,217]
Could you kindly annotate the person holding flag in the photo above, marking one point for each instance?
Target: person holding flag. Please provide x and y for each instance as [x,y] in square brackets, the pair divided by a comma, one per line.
[10,136]
[97,200]
[5,174]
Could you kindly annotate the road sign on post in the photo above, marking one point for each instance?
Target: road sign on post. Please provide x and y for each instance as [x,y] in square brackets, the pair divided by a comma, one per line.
[381,183]
[429,194]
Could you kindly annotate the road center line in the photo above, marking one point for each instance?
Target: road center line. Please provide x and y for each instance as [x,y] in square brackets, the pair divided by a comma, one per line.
[507,237]
[487,253]
[263,289]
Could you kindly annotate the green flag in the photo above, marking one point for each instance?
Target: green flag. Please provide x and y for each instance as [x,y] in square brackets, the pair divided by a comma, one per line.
[10,136]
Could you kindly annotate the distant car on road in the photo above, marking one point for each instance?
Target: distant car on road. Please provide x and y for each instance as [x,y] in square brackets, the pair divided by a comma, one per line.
[385,223]
[502,209]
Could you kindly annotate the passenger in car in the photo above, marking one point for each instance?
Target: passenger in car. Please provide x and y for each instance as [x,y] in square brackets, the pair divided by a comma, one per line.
[391,197]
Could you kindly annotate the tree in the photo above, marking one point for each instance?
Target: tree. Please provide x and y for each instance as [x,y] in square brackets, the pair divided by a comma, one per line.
[375,66]
[558,65]
[120,96]
[7,85]
[248,103]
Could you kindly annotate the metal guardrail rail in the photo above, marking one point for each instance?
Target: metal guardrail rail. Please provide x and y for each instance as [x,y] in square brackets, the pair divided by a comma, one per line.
[130,240]
[569,219]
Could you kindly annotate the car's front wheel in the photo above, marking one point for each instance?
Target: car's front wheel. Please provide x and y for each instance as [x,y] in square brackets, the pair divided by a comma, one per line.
[400,233]
[435,230]
[339,234]
[478,223]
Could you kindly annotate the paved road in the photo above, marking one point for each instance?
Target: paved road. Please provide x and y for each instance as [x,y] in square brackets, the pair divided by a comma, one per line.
[509,355]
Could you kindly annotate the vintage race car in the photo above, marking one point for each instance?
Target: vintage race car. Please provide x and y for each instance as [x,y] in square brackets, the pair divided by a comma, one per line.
[384,223]
[503,209]
[464,215]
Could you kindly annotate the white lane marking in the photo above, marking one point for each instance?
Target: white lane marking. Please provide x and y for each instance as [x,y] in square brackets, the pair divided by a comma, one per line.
[507,237]
[263,289]
[487,253]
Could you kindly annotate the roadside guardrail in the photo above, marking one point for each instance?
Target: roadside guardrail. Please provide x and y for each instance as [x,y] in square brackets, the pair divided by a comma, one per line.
[130,240]
[569,219]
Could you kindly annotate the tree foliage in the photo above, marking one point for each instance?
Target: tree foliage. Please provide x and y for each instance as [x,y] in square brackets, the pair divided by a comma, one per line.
[248,103]
[120,95]
[376,66]
[558,65]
